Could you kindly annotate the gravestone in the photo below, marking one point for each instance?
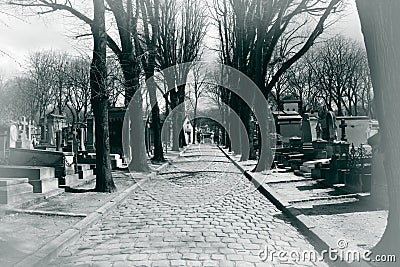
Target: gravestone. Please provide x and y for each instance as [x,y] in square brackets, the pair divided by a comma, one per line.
[288,124]
[82,137]
[3,146]
[51,132]
[13,136]
[306,136]
[326,127]
[90,137]
[8,139]
[51,136]
[343,126]
[357,129]
[43,132]
[24,135]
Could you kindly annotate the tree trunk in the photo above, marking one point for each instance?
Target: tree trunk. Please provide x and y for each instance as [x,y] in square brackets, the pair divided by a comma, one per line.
[235,142]
[267,143]
[379,23]
[181,114]
[155,119]
[127,27]
[137,147]
[194,124]
[247,136]
[173,94]
[99,97]
[182,139]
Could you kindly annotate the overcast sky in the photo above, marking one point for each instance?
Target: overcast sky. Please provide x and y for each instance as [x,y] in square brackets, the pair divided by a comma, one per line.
[19,37]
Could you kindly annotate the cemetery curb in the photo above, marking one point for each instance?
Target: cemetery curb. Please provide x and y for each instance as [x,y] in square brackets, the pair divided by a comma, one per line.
[44,255]
[318,236]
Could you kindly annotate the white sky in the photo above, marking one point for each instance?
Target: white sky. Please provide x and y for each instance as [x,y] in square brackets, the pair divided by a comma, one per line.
[18,38]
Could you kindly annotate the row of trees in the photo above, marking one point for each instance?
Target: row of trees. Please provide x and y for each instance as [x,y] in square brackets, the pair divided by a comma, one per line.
[250,32]
[334,73]
[55,82]
[263,39]
[144,36]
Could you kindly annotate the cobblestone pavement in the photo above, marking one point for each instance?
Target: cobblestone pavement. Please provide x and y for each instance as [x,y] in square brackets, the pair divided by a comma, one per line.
[201,211]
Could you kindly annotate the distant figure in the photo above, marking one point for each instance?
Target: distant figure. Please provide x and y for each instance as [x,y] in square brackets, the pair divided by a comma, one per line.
[319,131]
[332,128]
[327,125]
[306,136]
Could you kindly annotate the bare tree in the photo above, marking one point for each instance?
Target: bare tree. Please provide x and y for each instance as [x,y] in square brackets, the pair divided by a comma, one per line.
[115,82]
[250,31]
[77,91]
[150,10]
[334,73]
[379,24]
[99,98]
[180,42]
[195,92]
[40,65]
[126,24]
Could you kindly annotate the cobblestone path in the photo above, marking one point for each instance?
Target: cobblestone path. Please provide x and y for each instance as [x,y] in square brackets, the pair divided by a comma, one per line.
[200,211]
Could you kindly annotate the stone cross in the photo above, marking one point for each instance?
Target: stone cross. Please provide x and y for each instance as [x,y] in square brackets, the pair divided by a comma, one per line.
[343,126]
[24,123]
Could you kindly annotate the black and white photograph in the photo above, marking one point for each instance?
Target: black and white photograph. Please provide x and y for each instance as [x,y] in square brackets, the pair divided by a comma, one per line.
[200,133]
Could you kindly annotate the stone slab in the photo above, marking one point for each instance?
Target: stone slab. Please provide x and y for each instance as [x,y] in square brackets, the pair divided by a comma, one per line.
[31,172]
[14,190]
[41,178]
[74,178]
[12,181]
[44,185]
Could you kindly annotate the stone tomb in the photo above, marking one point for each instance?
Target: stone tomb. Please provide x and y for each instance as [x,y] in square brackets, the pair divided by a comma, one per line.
[60,161]
[15,190]
[41,178]
[288,124]
[358,130]
[51,132]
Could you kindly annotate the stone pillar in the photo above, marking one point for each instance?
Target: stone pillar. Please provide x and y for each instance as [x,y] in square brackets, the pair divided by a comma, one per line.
[306,136]
[18,143]
[43,132]
[59,140]
[3,144]
[90,136]
[82,139]
[29,130]
[50,131]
